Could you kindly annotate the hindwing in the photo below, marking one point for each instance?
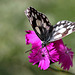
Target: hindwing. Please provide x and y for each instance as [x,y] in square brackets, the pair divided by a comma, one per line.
[62,29]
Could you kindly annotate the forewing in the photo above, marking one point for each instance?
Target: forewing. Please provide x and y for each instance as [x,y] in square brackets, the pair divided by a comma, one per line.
[62,29]
[40,23]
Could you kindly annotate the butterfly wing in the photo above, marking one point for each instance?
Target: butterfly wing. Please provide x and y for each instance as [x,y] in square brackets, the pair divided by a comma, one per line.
[40,23]
[44,30]
[62,29]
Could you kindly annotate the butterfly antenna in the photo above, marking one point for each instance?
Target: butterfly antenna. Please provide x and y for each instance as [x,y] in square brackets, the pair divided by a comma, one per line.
[38,51]
[31,49]
[28,50]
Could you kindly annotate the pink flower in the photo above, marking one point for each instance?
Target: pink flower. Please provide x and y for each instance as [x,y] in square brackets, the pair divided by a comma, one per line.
[41,58]
[65,55]
[53,52]
[40,55]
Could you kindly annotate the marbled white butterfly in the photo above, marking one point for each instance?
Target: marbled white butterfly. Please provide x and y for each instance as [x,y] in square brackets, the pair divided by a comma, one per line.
[43,28]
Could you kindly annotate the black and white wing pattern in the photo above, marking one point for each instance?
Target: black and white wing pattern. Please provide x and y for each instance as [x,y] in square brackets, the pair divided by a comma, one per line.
[62,29]
[40,23]
[43,28]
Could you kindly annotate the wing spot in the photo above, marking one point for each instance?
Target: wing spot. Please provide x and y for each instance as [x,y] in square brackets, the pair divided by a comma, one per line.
[35,16]
[58,23]
[46,19]
[27,14]
[69,23]
[28,10]
[32,9]
[62,22]
[66,32]
[43,16]
[69,32]
[38,22]
[56,28]
[31,19]
[42,21]
[62,30]
[68,26]
[58,36]
[44,24]
[72,27]
[32,14]
[37,13]
[61,26]
[38,30]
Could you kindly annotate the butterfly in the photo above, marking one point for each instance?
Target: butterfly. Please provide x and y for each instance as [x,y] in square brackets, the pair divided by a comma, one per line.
[43,28]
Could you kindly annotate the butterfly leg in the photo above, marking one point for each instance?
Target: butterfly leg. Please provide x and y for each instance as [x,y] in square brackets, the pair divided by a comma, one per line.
[28,50]
[38,52]
[31,49]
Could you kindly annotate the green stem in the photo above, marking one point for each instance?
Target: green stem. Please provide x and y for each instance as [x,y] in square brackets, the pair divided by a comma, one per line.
[60,70]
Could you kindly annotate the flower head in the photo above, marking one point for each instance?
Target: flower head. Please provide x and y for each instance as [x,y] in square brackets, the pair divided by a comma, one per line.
[40,55]
[65,55]
[55,51]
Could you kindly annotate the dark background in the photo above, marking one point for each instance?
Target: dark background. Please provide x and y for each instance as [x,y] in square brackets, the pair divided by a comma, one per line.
[13,23]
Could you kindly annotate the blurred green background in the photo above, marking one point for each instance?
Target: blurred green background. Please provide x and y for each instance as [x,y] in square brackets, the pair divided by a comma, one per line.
[13,23]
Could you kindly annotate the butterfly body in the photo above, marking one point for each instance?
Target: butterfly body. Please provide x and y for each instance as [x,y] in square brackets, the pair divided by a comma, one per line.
[43,28]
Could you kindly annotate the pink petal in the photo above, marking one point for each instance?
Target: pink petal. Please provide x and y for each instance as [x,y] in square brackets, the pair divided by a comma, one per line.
[44,64]
[31,37]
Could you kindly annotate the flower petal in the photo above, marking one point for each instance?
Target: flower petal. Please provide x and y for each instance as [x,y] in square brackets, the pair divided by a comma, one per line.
[31,37]
[44,64]
[66,60]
